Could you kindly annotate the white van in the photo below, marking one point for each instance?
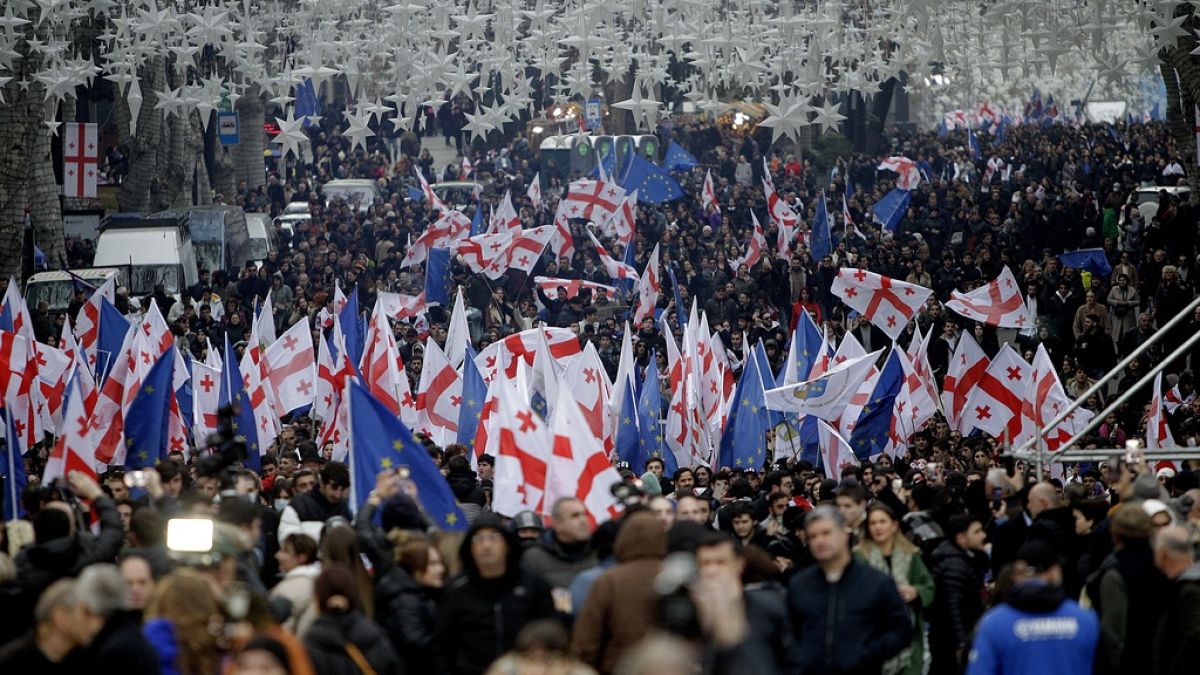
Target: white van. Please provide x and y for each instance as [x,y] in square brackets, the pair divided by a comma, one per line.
[154,251]
[263,239]
[57,288]
[359,192]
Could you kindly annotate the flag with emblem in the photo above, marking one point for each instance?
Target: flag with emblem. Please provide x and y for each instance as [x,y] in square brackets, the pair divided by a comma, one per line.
[380,442]
[870,435]
[146,422]
[744,442]
[886,302]
[825,396]
[579,466]
[998,303]
[81,160]
[995,404]
[523,447]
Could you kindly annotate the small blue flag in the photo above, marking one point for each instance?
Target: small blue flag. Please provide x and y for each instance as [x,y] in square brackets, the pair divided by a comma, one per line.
[849,186]
[870,435]
[437,277]
[678,159]
[890,210]
[307,102]
[414,194]
[184,393]
[744,443]
[233,392]
[12,469]
[973,145]
[649,413]
[477,221]
[474,393]
[146,421]
[628,444]
[653,184]
[109,339]
[1093,260]
[352,329]
[380,442]
[822,237]
[942,130]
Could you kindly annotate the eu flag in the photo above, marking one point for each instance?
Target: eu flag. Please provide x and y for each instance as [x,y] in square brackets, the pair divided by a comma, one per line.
[437,277]
[476,220]
[233,392]
[822,238]
[109,338]
[649,413]
[678,159]
[1093,260]
[628,443]
[356,337]
[807,339]
[184,393]
[380,442]
[890,210]
[12,469]
[680,310]
[653,185]
[744,443]
[474,393]
[870,434]
[146,420]
[973,145]
[307,102]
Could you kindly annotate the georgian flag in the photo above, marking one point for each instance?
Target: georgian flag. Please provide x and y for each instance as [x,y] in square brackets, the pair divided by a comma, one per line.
[887,303]
[1158,434]
[521,444]
[615,268]
[648,287]
[505,218]
[754,249]
[435,204]
[508,353]
[909,175]
[399,306]
[578,465]
[439,396]
[550,286]
[206,400]
[595,200]
[836,453]
[967,366]
[996,404]
[291,370]
[1046,399]
[562,243]
[453,225]
[999,303]
[535,190]
[467,167]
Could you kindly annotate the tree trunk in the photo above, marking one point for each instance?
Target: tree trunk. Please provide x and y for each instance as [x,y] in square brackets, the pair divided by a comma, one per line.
[1181,100]
[878,116]
[45,209]
[16,147]
[222,167]
[141,148]
[248,160]
[177,166]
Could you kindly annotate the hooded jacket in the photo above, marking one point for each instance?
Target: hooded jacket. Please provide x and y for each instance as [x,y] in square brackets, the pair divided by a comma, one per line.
[407,612]
[1037,630]
[557,563]
[326,642]
[478,619]
[622,605]
[958,602]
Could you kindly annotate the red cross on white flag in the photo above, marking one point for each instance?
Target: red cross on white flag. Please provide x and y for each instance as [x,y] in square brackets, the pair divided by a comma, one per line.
[999,303]
[887,303]
[81,160]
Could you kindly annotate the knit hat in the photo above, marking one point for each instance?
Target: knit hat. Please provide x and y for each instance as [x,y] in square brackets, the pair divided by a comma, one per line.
[650,484]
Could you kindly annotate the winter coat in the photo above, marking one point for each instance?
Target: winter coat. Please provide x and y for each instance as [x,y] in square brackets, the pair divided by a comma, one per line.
[329,636]
[1128,592]
[851,626]
[407,611]
[621,608]
[478,619]
[120,649]
[958,603]
[1178,638]
[555,563]
[297,587]
[1036,630]
[906,568]
[307,513]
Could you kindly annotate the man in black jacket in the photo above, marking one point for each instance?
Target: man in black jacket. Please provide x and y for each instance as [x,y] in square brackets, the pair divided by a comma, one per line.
[848,618]
[565,550]
[114,631]
[958,567]
[484,608]
[308,511]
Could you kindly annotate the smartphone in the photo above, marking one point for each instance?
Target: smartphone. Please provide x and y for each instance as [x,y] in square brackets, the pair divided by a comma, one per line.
[997,497]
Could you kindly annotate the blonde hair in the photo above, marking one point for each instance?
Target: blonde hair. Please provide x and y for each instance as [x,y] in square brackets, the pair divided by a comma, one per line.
[185,599]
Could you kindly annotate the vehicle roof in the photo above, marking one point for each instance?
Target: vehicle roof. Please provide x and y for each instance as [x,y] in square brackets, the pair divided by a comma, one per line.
[452,184]
[129,246]
[1170,189]
[351,182]
[89,273]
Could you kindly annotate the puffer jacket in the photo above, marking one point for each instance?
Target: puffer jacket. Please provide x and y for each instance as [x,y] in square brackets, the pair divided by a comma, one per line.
[407,612]
[329,635]
[958,602]
[622,605]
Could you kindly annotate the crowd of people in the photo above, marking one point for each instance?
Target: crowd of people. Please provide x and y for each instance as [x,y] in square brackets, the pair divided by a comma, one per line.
[950,557]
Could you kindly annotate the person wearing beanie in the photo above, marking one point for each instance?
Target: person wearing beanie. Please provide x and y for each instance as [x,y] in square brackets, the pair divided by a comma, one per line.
[1127,593]
[1037,629]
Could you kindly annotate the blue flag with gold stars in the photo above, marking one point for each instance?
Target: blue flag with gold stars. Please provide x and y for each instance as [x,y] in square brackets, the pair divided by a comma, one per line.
[653,184]
[629,446]
[233,391]
[650,431]
[870,435]
[474,394]
[146,420]
[379,441]
[744,443]
[678,159]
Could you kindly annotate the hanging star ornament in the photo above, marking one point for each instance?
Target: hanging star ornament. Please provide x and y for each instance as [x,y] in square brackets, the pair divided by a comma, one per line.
[359,130]
[291,134]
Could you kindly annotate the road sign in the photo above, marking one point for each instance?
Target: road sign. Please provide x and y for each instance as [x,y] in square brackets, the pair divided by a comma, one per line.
[227,128]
